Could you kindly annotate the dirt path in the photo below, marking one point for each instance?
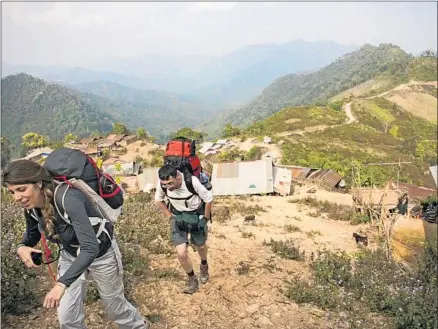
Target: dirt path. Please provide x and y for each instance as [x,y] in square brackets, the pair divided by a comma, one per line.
[347,109]
[246,277]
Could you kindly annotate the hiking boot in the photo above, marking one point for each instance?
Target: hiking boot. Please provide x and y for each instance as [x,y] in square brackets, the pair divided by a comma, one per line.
[147,324]
[192,285]
[203,275]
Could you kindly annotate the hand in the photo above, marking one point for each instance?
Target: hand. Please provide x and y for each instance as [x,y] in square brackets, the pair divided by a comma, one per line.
[54,296]
[25,254]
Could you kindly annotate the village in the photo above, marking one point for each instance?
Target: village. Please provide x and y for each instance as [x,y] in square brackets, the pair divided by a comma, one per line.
[126,158]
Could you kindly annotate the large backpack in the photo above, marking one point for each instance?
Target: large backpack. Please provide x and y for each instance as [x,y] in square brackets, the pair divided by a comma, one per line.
[77,170]
[181,154]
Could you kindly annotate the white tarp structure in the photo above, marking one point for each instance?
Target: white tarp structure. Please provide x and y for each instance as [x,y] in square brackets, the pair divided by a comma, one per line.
[282,181]
[148,180]
[243,177]
[433,171]
[126,169]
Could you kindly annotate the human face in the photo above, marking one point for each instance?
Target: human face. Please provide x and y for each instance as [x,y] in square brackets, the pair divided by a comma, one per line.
[172,183]
[28,195]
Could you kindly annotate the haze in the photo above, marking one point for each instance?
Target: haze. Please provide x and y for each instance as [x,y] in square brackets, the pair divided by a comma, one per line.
[84,34]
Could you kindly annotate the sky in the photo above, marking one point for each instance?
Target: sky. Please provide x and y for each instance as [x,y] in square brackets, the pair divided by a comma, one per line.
[83,33]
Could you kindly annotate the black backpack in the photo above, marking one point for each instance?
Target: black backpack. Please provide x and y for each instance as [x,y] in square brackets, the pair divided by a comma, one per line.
[65,164]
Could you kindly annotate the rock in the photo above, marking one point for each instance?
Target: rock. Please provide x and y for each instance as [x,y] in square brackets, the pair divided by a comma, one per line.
[249,218]
[264,321]
[242,315]
[316,312]
[251,309]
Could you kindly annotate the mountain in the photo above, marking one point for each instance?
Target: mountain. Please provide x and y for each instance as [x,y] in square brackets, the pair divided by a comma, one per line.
[243,74]
[381,132]
[161,113]
[220,81]
[384,62]
[33,105]
[71,76]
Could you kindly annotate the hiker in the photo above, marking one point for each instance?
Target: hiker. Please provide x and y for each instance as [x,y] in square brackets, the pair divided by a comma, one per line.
[430,214]
[188,212]
[82,252]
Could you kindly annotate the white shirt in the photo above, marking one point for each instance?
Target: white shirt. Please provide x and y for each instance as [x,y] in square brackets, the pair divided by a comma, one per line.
[193,203]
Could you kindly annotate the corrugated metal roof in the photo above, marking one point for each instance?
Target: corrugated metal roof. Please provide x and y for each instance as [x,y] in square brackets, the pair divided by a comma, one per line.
[416,192]
[243,177]
[327,177]
[296,171]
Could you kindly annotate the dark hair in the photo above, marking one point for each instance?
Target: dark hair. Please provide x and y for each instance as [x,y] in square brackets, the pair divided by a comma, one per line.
[29,172]
[25,172]
[166,172]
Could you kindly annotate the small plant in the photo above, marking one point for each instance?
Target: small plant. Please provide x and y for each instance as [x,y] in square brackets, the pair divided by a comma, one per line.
[313,233]
[286,249]
[166,274]
[243,268]
[292,228]
[247,235]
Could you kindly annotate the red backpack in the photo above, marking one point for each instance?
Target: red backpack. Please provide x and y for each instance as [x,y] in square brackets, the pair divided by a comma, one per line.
[181,154]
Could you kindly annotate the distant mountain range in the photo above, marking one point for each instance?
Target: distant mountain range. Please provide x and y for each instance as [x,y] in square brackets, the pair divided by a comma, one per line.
[385,62]
[31,104]
[220,82]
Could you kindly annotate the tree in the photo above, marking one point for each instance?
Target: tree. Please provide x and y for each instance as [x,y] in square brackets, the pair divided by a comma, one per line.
[142,133]
[32,141]
[230,131]
[119,128]
[70,138]
[189,133]
[420,151]
[6,151]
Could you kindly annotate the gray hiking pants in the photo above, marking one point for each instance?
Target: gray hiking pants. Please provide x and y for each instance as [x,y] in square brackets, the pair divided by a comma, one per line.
[107,273]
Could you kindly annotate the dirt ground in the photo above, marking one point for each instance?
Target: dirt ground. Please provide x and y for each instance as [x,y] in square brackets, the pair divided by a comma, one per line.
[231,300]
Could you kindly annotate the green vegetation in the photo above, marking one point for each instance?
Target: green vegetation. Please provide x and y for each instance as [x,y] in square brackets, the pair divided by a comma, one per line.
[119,129]
[33,105]
[296,118]
[286,249]
[189,133]
[375,292]
[386,61]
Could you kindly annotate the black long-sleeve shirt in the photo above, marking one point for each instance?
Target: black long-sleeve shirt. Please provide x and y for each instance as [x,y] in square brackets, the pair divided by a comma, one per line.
[80,232]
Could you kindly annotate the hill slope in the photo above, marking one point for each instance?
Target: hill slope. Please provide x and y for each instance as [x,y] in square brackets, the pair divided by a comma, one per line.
[383,62]
[34,105]
[159,112]
[382,131]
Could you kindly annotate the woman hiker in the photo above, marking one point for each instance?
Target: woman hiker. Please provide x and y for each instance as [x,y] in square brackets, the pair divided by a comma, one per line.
[81,252]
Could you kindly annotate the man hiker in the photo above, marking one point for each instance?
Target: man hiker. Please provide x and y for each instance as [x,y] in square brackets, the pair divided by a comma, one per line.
[189,210]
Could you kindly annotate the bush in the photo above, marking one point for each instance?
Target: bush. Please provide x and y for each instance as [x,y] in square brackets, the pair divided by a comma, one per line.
[17,281]
[286,249]
[372,285]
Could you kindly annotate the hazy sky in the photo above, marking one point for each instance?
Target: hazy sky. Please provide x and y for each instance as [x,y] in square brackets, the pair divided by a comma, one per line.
[79,33]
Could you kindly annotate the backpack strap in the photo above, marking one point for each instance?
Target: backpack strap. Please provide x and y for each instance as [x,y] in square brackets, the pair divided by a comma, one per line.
[101,221]
[189,184]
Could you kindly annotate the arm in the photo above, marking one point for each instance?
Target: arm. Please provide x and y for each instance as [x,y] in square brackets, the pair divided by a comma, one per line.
[159,200]
[32,234]
[89,246]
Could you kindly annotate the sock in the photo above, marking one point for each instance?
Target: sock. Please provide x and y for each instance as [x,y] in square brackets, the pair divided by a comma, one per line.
[191,273]
[203,262]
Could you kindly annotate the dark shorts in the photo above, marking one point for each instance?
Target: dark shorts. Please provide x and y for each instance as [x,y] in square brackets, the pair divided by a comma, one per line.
[178,236]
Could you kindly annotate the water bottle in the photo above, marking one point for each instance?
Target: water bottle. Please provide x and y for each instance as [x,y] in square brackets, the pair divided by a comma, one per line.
[203,178]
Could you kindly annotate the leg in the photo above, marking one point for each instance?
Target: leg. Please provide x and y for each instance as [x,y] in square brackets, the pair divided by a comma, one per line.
[107,272]
[199,239]
[179,240]
[71,307]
